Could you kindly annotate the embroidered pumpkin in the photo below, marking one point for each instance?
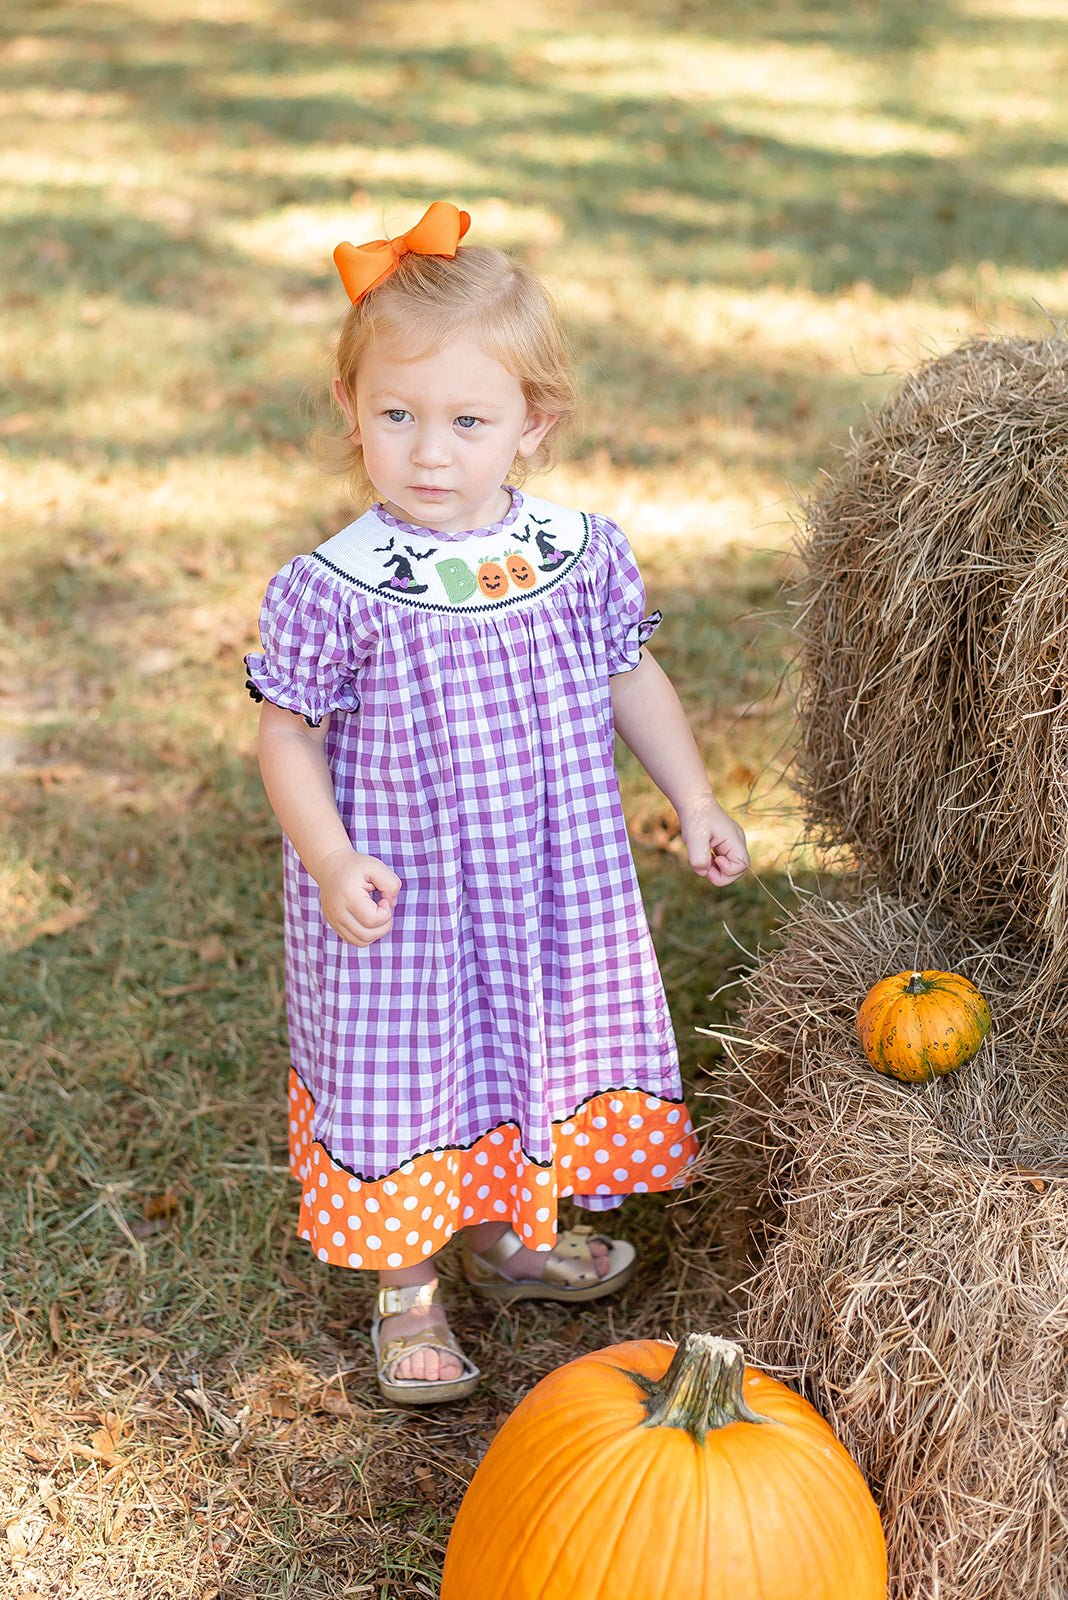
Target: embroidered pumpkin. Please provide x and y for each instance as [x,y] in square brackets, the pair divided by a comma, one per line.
[644,1472]
[492,579]
[520,571]
[917,1026]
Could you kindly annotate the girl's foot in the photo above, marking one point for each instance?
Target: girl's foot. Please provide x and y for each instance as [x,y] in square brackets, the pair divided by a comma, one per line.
[427,1362]
[414,1344]
[524,1263]
[581,1265]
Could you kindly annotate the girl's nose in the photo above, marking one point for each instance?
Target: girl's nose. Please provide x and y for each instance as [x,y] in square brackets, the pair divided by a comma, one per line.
[430,448]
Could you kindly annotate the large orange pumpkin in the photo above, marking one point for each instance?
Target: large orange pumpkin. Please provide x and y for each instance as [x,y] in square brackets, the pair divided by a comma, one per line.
[644,1472]
[917,1026]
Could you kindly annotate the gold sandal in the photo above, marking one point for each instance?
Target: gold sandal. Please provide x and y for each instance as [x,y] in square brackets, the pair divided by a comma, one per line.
[389,1353]
[570,1273]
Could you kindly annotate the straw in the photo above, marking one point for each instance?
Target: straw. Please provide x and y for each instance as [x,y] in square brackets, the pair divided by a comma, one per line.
[907,1247]
[932,620]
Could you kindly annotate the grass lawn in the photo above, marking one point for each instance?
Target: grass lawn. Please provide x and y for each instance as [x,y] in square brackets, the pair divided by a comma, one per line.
[754,219]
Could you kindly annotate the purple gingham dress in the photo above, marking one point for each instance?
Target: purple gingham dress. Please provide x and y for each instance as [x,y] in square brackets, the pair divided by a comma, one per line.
[471,742]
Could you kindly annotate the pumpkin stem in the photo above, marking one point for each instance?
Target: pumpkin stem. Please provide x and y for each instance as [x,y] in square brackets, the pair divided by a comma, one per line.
[701,1389]
[917,984]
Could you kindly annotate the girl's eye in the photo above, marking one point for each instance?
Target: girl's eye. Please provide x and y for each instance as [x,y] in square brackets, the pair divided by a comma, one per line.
[467,422]
[396,415]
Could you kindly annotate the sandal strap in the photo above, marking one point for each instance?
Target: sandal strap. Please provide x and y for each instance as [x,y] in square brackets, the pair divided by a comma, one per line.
[570,1261]
[394,1302]
[502,1249]
[576,1242]
[435,1336]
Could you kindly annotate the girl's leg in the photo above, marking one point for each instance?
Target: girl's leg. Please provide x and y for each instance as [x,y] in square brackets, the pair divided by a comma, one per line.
[426,1365]
[525,1263]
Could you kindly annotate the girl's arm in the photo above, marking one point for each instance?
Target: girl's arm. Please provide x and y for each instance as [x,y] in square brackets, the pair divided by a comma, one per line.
[651,722]
[299,787]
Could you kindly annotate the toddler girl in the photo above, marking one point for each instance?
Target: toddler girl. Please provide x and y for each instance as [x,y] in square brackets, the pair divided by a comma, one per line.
[476,1017]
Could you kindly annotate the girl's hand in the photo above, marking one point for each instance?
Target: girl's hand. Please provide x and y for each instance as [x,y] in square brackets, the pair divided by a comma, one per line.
[357,894]
[715,844]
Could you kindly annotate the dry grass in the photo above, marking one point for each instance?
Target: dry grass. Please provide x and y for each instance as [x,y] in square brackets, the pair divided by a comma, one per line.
[909,1247]
[138,1466]
[933,629]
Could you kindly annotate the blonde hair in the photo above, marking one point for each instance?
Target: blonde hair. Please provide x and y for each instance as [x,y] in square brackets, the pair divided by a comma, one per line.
[429,300]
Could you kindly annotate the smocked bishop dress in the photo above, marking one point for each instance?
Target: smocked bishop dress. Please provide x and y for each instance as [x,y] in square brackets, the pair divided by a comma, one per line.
[508,1041]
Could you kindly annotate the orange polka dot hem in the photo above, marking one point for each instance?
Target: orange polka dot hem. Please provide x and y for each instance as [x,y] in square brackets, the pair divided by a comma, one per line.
[621,1142]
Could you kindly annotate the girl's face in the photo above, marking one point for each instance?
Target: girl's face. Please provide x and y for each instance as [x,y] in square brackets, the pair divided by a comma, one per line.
[440,432]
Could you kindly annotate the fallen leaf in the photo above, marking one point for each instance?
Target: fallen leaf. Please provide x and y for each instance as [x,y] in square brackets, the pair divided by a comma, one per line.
[104,1441]
[161,1205]
[336,1405]
[1035,1179]
[17,1537]
[212,948]
[283,1409]
[63,921]
[425,1483]
[86,1452]
[55,1324]
[291,1280]
[490,1433]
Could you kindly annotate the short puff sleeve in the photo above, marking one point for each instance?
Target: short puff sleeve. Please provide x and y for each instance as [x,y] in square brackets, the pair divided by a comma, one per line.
[626,626]
[316,633]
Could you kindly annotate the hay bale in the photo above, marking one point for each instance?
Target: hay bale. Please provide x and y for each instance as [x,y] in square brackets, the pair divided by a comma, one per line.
[912,1249]
[933,644]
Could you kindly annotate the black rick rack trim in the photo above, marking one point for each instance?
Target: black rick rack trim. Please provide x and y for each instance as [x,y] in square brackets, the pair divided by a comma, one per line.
[630,1088]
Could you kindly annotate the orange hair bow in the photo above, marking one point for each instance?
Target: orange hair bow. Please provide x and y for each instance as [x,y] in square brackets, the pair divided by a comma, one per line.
[364,266]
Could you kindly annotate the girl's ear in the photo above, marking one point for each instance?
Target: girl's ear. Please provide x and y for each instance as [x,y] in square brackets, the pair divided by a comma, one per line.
[535,428]
[347,408]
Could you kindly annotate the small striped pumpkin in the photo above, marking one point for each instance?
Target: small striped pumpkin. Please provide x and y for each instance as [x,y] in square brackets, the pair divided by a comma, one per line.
[917,1026]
